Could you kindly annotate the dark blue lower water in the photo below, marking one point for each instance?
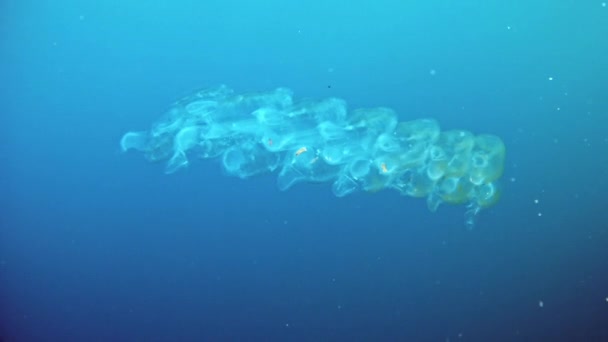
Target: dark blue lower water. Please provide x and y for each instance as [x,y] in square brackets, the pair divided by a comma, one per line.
[99,245]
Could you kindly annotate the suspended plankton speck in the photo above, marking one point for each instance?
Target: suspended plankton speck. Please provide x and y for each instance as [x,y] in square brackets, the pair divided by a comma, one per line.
[550,78]
[432,72]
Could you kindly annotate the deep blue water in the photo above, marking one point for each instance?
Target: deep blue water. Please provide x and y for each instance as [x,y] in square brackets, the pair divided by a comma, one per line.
[97,245]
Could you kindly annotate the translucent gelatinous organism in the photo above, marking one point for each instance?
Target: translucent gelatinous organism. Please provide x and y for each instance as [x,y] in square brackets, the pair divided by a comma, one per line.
[321,141]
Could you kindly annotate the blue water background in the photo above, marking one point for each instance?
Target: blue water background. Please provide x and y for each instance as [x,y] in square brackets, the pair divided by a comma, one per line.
[96,245]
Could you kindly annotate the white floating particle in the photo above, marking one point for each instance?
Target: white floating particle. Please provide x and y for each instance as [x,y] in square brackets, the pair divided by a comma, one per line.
[540,214]
[432,72]
[508,27]
[550,78]
[512,179]
[603,4]
[541,304]
[536,201]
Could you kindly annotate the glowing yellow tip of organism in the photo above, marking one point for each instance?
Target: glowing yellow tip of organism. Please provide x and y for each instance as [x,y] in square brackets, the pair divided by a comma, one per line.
[383,167]
[301,150]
